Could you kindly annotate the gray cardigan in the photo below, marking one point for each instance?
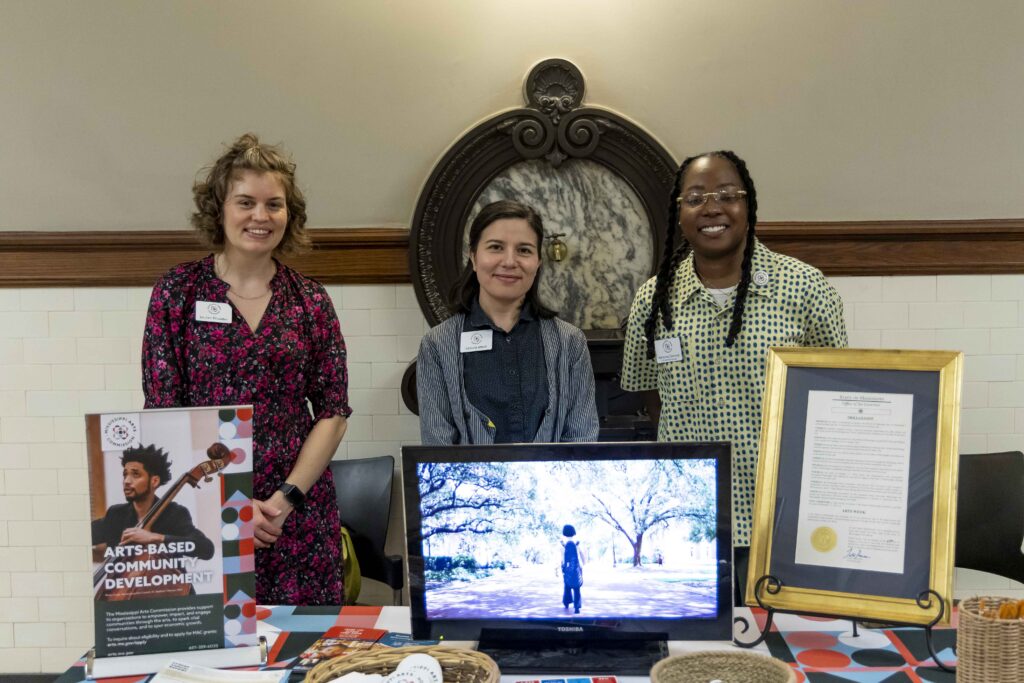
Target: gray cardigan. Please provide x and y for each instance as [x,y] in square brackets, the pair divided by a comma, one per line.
[447,417]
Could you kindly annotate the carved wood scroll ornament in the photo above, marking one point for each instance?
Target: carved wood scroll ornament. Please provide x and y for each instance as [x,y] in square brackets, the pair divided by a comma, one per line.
[554,127]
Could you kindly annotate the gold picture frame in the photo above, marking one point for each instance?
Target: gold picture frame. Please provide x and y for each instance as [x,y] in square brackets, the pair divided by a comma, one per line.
[840,428]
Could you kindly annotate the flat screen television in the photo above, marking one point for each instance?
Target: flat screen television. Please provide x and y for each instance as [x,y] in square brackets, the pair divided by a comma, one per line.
[499,536]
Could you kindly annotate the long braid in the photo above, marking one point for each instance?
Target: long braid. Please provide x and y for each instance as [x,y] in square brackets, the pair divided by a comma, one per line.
[670,260]
[741,291]
[748,251]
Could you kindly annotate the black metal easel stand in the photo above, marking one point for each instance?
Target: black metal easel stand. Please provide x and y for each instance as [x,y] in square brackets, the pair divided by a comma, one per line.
[772,585]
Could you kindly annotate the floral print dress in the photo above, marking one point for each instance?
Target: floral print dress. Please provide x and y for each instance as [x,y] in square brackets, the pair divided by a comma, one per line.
[296,353]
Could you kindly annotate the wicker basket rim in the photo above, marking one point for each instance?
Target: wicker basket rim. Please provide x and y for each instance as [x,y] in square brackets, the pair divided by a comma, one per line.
[738,658]
[734,654]
[969,607]
[486,671]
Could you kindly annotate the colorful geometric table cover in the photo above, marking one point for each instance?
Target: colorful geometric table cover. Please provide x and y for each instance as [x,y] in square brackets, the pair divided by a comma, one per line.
[826,651]
[820,650]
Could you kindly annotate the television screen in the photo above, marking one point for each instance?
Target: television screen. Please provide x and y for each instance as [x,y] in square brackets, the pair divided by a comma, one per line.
[611,537]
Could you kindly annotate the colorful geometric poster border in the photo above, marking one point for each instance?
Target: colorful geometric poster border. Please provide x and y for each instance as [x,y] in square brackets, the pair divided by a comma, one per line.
[236,429]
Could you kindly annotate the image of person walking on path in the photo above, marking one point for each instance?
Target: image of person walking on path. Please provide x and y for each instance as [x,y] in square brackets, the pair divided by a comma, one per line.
[572,568]
[493,532]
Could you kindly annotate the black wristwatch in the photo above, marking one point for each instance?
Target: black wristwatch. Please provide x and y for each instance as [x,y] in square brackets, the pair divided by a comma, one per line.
[292,494]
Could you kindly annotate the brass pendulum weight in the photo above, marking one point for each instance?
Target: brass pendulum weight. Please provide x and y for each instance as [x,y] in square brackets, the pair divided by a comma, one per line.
[557,249]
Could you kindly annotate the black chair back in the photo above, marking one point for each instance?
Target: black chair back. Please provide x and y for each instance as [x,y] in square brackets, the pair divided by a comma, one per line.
[363,489]
[990,514]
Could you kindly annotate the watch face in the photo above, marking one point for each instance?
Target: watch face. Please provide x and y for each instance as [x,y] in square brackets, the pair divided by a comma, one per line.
[292,494]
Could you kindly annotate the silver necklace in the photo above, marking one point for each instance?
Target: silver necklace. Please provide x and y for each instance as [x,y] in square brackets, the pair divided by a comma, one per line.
[220,272]
[232,292]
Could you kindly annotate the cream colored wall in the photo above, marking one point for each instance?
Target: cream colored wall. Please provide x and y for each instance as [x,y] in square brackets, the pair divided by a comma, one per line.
[845,110]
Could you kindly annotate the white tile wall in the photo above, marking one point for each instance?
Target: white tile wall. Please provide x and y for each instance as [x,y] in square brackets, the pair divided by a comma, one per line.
[64,352]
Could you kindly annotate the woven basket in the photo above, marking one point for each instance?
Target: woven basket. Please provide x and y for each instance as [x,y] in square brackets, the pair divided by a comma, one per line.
[988,650]
[457,665]
[725,666]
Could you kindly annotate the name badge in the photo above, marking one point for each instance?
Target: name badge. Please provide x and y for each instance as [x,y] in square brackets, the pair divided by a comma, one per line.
[475,340]
[668,350]
[213,312]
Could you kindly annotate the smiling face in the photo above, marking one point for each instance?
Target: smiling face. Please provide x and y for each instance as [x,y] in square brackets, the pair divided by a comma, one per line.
[255,214]
[137,483]
[506,260]
[715,230]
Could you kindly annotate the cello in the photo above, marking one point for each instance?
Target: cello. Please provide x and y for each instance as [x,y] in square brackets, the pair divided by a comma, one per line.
[219,457]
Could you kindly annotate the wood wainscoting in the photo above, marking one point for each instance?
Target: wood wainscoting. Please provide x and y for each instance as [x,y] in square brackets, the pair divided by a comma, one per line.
[963,247]
[380,255]
[138,258]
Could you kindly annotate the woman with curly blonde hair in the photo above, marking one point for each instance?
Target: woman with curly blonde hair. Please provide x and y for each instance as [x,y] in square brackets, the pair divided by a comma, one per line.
[239,327]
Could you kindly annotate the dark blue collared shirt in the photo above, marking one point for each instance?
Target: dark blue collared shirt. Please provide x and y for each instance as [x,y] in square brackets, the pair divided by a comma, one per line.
[508,383]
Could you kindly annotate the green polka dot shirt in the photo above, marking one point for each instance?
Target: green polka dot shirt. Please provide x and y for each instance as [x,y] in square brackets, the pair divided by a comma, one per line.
[714,393]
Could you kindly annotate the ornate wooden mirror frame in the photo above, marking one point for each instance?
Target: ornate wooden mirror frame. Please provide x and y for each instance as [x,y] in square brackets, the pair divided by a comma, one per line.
[554,127]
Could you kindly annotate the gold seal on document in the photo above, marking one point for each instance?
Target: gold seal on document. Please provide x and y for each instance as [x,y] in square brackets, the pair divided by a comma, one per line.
[823,539]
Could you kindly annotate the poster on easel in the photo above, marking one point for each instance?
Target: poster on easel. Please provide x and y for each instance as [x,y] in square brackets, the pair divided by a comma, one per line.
[171,510]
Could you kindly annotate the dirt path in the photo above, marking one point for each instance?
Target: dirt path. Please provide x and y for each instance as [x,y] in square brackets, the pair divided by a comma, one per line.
[532,593]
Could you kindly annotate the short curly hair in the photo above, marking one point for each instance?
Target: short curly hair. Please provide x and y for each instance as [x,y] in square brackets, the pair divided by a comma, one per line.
[154,460]
[248,154]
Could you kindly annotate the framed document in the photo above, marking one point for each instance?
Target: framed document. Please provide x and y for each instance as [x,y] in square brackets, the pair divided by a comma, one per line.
[855,508]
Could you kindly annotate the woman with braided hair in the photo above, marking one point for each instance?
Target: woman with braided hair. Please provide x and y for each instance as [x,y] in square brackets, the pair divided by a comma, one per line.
[699,331]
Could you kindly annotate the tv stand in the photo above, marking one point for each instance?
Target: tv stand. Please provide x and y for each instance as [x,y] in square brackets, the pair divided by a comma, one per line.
[591,652]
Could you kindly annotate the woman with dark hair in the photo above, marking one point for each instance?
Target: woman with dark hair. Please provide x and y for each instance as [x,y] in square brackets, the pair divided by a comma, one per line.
[503,368]
[239,327]
[699,331]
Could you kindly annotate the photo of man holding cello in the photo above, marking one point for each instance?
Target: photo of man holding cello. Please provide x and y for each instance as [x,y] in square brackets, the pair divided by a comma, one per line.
[131,536]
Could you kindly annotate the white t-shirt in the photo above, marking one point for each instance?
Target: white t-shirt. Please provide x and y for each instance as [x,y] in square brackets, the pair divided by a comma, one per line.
[721,296]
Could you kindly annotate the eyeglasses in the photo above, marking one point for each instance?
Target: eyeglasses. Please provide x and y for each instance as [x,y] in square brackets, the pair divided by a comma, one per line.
[695,200]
